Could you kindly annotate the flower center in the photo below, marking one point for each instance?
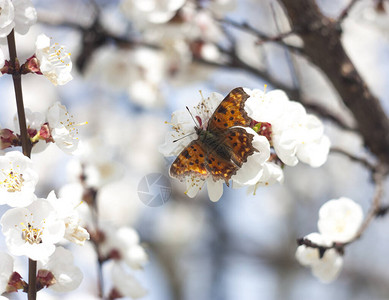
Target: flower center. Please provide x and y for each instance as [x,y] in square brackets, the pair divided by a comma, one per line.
[12,182]
[58,56]
[31,234]
[70,125]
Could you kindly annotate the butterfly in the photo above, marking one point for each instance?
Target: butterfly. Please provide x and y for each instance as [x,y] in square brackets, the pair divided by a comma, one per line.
[221,148]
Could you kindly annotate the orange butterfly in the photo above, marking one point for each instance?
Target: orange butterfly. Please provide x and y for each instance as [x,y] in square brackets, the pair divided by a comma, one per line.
[220,149]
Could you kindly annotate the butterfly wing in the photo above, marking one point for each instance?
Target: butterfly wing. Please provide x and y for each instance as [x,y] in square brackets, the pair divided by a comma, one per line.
[201,158]
[225,160]
[191,161]
[230,111]
[241,144]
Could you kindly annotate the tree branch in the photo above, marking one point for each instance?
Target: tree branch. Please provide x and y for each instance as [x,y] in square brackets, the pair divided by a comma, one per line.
[264,38]
[26,143]
[322,44]
[378,178]
[17,80]
[360,160]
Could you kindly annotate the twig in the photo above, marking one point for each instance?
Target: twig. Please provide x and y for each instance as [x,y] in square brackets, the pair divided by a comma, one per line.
[325,113]
[378,178]
[32,266]
[360,160]
[26,143]
[375,209]
[17,80]
[339,247]
[90,197]
[346,11]
[234,62]
[263,38]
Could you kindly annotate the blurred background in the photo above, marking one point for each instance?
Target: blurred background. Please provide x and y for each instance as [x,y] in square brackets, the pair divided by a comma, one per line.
[136,62]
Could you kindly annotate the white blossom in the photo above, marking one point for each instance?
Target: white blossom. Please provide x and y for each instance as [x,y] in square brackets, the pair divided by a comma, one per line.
[64,129]
[66,209]
[295,135]
[33,230]
[126,284]
[340,219]
[326,268]
[114,67]
[6,270]
[118,202]
[34,120]
[54,61]
[7,16]
[125,242]
[272,173]
[25,15]
[94,161]
[17,179]
[153,11]
[61,264]
[145,83]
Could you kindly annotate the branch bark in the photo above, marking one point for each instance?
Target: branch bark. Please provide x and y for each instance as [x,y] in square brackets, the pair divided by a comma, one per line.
[322,44]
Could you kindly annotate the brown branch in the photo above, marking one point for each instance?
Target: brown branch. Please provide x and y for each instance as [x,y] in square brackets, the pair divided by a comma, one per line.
[375,211]
[322,44]
[26,143]
[354,158]
[378,178]
[325,113]
[17,81]
[263,38]
[234,62]
[32,266]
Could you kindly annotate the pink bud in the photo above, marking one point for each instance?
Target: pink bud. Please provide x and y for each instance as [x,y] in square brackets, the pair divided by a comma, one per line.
[45,133]
[45,278]
[31,66]
[8,139]
[15,283]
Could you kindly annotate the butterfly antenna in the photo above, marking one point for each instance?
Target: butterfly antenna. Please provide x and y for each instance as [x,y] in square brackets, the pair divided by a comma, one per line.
[183,137]
[196,123]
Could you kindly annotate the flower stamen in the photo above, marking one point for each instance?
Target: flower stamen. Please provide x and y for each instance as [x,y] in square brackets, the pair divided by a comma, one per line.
[13,181]
[31,234]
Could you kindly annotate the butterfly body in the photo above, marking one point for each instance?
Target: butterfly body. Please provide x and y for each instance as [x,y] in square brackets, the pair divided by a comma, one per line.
[213,142]
[221,148]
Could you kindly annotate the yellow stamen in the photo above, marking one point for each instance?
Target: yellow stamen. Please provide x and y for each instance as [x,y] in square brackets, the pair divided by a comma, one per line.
[31,234]
[13,181]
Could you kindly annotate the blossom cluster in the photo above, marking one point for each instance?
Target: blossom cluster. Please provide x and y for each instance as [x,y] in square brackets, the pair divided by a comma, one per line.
[50,60]
[284,134]
[184,31]
[57,126]
[35,227]
[339,221]
[16,15]
[107,218]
